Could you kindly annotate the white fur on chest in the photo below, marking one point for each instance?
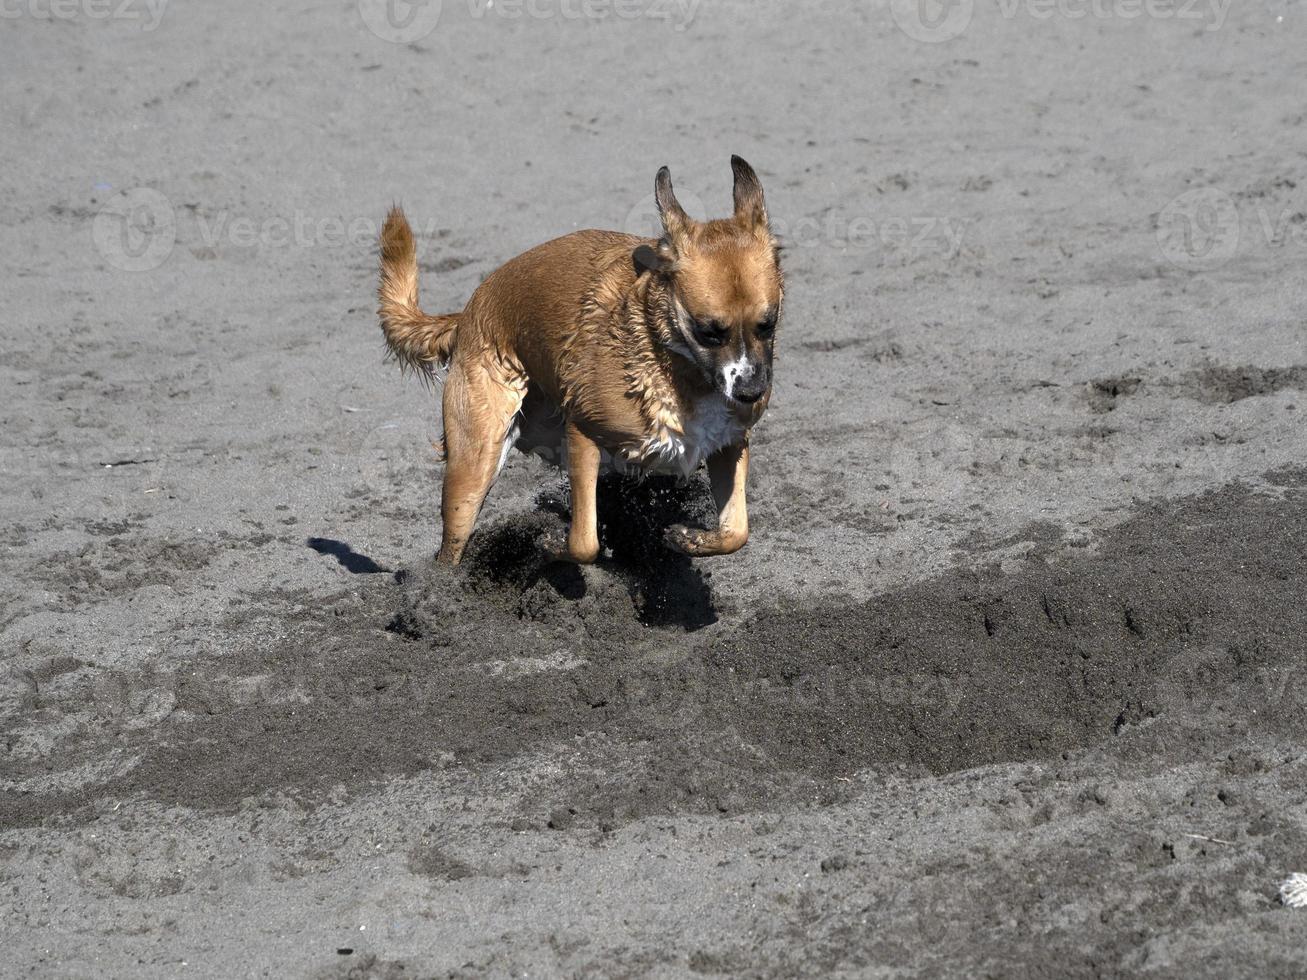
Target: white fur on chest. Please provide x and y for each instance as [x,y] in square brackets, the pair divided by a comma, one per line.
[712,426]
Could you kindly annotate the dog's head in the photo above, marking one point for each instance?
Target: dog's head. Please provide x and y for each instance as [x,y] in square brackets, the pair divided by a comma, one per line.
[725,286]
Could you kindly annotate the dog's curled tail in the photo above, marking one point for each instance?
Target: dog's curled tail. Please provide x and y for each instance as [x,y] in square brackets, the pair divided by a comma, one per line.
[415,339]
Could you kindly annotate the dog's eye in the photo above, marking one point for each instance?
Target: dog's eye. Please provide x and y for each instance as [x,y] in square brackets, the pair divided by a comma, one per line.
[767,327]
[710,334]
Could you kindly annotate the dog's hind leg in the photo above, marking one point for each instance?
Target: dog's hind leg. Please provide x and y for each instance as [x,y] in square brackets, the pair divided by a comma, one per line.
[480,412]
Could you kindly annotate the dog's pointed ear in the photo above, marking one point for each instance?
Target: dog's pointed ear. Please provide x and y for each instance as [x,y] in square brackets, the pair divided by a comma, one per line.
[675,221]
[749,204]
[658,260]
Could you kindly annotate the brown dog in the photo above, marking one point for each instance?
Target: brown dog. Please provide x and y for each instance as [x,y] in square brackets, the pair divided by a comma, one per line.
[607,350]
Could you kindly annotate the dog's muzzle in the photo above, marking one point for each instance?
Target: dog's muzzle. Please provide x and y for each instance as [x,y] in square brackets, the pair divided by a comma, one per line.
[748,388]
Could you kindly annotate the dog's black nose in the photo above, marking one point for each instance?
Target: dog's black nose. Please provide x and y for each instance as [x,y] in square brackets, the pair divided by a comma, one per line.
[749,390]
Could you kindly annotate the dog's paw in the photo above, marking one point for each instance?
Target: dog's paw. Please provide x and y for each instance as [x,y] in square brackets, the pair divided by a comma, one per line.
[686,540]
[557,546]
[703,544]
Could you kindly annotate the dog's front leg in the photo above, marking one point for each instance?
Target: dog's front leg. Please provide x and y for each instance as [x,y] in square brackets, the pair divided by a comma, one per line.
[583,473]
[728,469]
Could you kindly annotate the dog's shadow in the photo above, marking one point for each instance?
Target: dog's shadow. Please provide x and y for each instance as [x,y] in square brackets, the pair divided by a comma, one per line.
[349,559]
[666,588]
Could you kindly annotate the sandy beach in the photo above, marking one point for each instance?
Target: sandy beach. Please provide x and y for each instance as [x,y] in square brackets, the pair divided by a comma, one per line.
[1009,680]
